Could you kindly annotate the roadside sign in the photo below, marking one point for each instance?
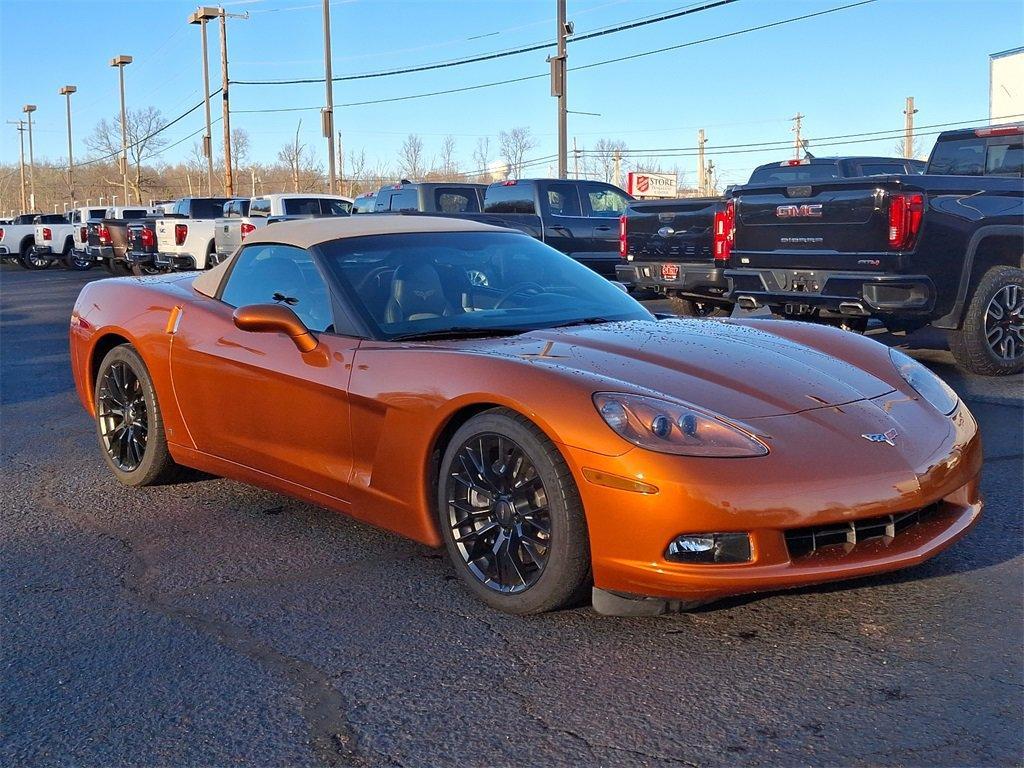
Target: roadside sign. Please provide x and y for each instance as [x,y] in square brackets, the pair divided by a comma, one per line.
[642,185]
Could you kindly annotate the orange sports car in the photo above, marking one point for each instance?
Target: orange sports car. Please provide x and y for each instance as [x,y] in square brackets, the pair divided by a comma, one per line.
[469,386]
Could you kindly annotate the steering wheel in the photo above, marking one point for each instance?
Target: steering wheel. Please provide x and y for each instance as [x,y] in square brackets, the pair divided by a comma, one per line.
[517,289]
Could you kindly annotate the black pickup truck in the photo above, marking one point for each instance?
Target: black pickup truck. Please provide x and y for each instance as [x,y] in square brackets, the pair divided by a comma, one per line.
[943,248]
[668,246]
[430,197]
[579,218]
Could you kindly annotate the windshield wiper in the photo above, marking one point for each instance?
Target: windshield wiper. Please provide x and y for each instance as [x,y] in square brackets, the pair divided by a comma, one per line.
[459,333]
[583,321]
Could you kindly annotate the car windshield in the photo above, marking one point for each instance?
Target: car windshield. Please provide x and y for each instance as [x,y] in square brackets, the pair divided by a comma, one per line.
[470,284]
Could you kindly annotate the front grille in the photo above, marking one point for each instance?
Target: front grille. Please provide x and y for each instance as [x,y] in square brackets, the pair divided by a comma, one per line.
[803,541]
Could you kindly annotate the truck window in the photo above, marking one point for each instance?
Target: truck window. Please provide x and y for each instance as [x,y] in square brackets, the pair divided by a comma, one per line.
[450,200]
[963,157]
[1005,160]
[209,208]
[787,174]
[405,200]
[260,207]
[882,169]
[514,198]
[564,200]
[604,201]
[134,213]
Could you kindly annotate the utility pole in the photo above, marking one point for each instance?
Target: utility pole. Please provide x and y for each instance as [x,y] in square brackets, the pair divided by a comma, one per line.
[908,135]
[201,16]
[617,168]
[558,90]
[229,182]
[798,120]
[66,91]
[576,157]
[28,109]
[121,62]
[702,176]
[21,141]
[328,111]
[341,164]
[709,176]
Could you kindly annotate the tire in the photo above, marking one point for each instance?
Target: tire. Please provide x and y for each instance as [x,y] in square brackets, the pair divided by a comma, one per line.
[77,261]
[123,384]
[212,257]
[540,528]
[691,308]
[28,261]
[118,268]
[990,340]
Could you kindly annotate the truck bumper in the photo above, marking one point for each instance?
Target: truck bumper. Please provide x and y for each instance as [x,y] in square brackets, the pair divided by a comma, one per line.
[42,250]
[100,252]
[174,262]
[139,257]
[856,294]
[701,280]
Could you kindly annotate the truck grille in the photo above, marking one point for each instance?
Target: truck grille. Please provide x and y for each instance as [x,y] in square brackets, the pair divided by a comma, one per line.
[803,541]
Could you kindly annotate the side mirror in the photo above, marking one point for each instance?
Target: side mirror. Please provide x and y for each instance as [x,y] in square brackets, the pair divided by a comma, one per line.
[275,318]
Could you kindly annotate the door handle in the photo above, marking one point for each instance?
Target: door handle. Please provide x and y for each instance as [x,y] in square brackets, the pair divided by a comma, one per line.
[602,229]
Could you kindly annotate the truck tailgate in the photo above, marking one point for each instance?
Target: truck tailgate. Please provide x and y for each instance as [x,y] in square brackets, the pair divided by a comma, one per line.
[676,230]
[834,226]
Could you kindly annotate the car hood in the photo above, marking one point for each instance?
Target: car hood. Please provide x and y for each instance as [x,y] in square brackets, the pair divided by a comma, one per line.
[738,371]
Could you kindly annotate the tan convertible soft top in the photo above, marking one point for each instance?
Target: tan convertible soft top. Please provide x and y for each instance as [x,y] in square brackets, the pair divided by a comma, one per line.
[305,233]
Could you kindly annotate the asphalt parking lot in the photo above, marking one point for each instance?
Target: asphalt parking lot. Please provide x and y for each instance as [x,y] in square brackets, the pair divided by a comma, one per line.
[213,624]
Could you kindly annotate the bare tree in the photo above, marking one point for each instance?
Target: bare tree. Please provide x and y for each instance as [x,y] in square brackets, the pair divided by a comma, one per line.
[239,150]
[144,143]
[449,165]
[357,181]
[515,143]
[901,147]
[482,157]
[411,162]
[298,160]
[604,157]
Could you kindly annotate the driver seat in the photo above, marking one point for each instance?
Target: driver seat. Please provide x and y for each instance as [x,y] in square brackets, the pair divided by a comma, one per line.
[416,294]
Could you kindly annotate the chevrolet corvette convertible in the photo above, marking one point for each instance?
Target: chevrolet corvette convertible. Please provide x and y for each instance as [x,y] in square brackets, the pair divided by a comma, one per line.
[468,386]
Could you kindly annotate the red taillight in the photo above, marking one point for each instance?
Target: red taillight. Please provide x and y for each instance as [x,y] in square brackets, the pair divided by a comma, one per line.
[905,212]
[724,231]
[47,233]
[1002,130]
[103,234]
[509,183]
[148,237]
[1,233]
[623,245]
[180,233]
[247,229]
[83,234]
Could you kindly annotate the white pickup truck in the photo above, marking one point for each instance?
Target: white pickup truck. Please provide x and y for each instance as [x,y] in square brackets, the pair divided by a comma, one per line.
[18,238]
[244,216]
[79,258]
[184,239]
[54,240]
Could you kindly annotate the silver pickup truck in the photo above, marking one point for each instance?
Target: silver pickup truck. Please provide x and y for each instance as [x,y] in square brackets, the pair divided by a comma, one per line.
[244,216]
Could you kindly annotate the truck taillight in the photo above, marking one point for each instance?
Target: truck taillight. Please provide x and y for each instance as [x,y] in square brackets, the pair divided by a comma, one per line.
[905,212]
[148,237]
[623,245]
[724,232]
[83,233]
[247,229]
[180,233]
[1,233]
[47,233]
[103,234]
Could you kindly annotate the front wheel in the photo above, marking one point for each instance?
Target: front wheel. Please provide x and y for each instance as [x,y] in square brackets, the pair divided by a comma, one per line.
[990,341]
[511,516]
[129,425]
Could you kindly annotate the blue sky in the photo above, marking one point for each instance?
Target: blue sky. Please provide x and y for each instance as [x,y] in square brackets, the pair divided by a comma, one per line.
[848,72]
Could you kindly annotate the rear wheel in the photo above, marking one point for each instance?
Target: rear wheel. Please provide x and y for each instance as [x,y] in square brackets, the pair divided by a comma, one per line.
[30,260]
[694,308]
[212,257]
[511,517]
[79,261]
[129,425]
[118,268]
[990,341]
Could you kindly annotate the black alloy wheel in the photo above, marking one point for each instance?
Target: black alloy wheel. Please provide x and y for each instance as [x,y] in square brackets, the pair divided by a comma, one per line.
[79,261]
[511,516]
[32,260]
[990,339]
[123,416]
[498,513]
[1004,323]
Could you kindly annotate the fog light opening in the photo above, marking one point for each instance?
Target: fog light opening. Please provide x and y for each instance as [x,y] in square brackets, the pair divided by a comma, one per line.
[709,548]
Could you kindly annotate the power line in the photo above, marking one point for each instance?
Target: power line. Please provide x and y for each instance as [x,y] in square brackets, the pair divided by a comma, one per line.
[633,24]
[525,78]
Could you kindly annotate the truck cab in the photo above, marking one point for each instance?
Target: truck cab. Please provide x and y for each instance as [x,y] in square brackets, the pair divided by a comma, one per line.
[430,197]
[240,217]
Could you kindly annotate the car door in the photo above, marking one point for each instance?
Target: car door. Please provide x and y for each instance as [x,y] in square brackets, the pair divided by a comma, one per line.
[253,398]
[566,228]
[604,204]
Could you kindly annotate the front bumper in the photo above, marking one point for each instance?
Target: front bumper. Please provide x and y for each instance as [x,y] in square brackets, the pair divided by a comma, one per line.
[174,262]
[801,483]
[702,280]
[802,291]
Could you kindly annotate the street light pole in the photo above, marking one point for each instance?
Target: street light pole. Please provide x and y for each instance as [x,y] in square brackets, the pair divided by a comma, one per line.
[201,16]
[66,91]
[121,62]
[328,112]
[28,109]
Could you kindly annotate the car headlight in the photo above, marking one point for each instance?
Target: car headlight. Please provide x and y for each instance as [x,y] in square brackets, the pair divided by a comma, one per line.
[675,427]
[925,383]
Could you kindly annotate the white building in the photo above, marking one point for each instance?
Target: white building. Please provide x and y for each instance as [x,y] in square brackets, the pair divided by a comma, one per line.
[1006,86]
